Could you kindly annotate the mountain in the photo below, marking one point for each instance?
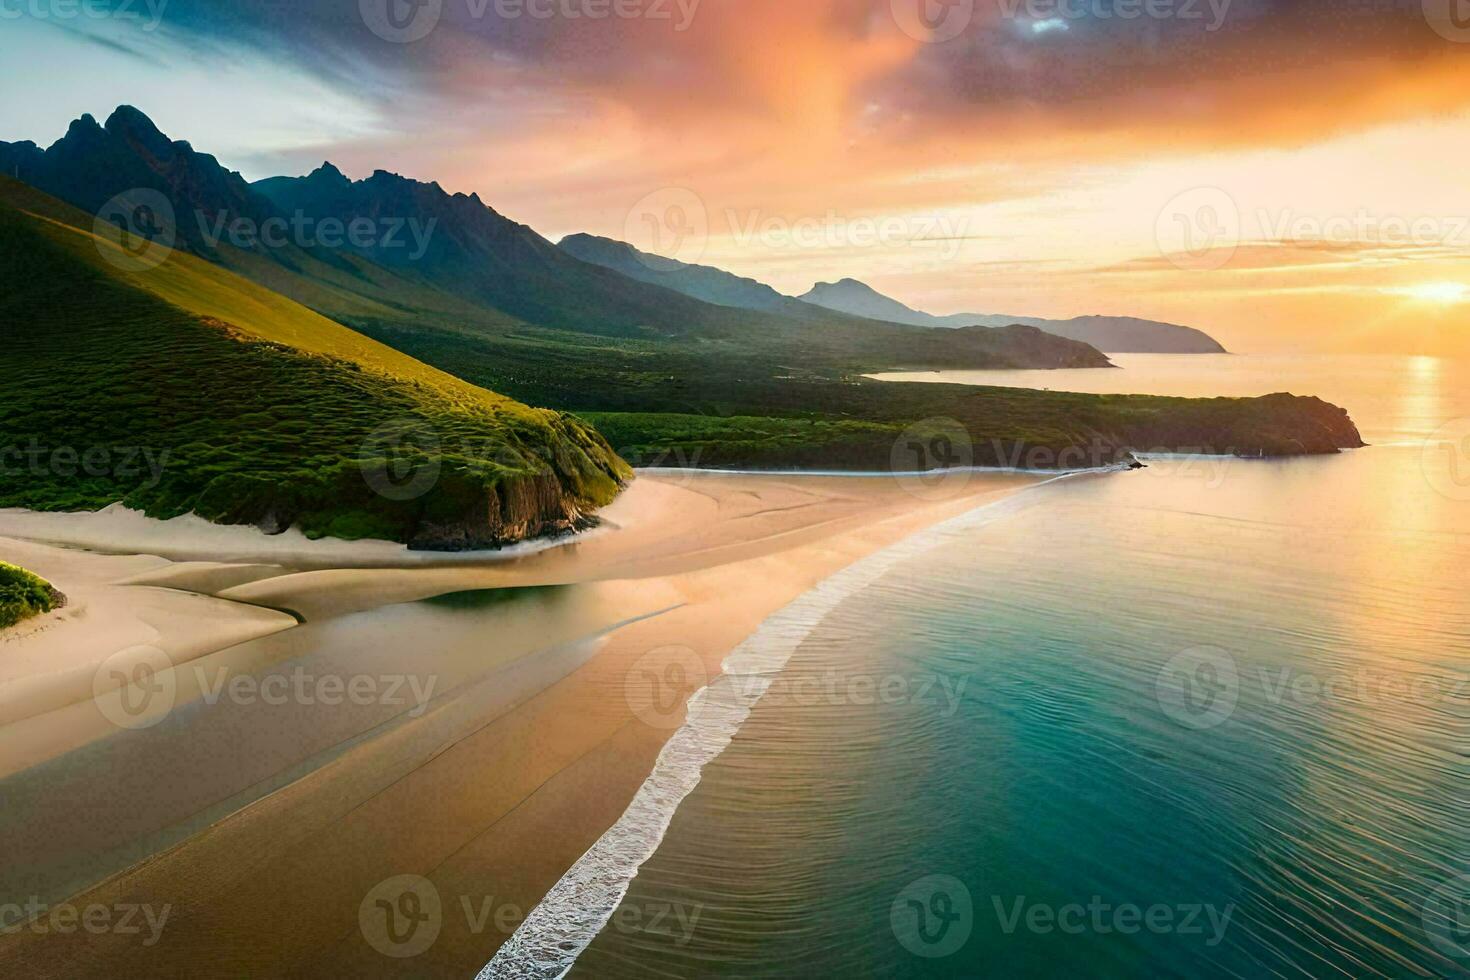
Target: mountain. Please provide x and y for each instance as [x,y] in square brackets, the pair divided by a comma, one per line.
[860,299]
[493,304]
[252,408]
[700,281]
[1113,334]
[389,253]
[476,253]
[713,285]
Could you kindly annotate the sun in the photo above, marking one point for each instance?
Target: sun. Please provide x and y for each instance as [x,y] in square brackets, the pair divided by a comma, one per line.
[1439,292]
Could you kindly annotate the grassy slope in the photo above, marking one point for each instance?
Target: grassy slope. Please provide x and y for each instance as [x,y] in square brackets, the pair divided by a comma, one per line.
[24,594]
[268,412]
[760,400]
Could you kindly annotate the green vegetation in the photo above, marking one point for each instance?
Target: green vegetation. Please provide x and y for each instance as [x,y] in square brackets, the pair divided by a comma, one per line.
[662,405]
[188,389]
[24,594]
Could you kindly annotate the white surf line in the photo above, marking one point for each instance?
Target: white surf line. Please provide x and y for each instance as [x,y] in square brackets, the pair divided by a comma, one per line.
[549,940]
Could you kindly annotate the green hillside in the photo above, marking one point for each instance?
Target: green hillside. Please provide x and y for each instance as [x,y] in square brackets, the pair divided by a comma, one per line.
[254,409]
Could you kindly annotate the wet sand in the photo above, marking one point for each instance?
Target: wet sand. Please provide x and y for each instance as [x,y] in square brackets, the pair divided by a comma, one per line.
[265,828]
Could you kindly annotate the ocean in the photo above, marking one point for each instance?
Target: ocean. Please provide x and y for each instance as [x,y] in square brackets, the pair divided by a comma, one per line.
[1210,718]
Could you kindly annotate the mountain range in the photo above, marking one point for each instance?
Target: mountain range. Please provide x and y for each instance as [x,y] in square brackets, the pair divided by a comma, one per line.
[1111,334]
[286,322]
[432,257]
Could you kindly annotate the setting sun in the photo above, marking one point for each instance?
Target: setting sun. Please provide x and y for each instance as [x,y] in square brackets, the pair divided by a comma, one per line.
[1440,292]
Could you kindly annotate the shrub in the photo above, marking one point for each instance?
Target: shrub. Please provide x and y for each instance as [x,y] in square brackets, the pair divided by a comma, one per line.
[24,594]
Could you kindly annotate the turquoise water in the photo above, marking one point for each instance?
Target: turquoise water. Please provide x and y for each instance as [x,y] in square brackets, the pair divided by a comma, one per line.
[1193,721]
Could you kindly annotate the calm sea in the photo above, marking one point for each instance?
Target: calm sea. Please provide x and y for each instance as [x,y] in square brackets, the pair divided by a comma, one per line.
[1207,719]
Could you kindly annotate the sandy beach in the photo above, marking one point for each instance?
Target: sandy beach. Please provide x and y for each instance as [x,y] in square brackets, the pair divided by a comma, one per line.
[261,817]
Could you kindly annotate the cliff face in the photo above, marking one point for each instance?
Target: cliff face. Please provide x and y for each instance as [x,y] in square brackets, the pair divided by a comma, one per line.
[519,509]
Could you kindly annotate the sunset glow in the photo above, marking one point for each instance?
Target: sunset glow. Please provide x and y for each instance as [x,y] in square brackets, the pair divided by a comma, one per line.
[1440,292]
[1024,159]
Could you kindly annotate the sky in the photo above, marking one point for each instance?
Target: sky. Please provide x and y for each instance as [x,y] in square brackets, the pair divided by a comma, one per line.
[1288,176]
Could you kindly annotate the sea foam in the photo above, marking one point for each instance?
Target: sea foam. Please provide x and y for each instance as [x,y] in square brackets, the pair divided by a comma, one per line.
[571,915]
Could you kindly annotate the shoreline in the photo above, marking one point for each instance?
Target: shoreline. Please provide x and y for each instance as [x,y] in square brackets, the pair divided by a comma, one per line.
[527,764]
[584,900]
